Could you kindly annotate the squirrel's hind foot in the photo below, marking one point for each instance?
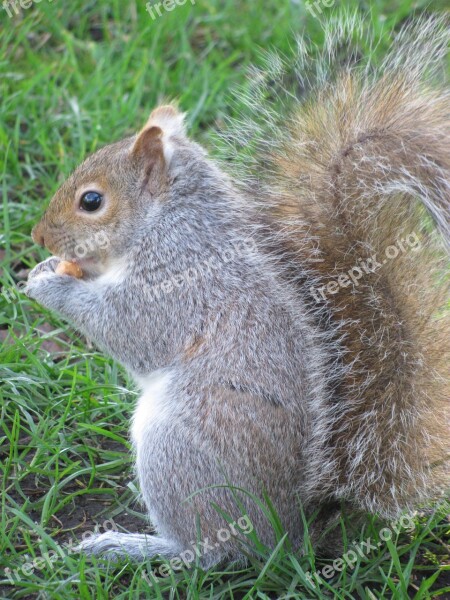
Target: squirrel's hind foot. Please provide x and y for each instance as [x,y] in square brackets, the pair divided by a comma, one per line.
[133,547]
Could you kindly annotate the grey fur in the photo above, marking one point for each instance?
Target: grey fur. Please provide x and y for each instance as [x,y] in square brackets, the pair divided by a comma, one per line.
[239,409]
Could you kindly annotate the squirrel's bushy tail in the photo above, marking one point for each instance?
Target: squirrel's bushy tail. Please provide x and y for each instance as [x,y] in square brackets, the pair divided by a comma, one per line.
[348,177]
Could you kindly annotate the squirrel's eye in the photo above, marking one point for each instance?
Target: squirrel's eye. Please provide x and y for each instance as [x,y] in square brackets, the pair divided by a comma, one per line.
[91,201]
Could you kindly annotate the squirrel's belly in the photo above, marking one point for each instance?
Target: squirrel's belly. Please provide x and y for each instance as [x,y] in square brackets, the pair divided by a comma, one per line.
[154,407]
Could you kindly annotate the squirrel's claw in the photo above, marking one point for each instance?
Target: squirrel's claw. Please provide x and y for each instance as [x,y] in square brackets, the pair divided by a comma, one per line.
[47,266]
[41,271]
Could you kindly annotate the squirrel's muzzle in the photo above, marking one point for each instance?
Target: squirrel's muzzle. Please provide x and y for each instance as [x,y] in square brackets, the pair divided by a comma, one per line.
[38,235]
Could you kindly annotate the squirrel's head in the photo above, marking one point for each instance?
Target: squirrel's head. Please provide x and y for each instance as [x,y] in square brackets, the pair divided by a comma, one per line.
[95,214]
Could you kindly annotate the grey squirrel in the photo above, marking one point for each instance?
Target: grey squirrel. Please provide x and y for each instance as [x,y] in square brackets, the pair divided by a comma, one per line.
[287,327]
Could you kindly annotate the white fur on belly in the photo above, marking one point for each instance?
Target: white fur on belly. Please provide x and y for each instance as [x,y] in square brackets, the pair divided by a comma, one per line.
[154,406]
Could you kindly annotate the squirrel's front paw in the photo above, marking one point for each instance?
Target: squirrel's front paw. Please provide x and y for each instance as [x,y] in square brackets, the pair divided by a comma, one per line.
[43,283]
[46,267]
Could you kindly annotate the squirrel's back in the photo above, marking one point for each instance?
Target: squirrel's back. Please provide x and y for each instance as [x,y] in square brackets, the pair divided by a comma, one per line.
[348,176]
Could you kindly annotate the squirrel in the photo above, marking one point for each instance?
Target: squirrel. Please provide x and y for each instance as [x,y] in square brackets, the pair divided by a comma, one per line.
[287,328]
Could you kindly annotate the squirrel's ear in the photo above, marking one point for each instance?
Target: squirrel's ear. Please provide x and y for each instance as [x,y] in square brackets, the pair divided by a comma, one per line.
[148,147]
[156,140]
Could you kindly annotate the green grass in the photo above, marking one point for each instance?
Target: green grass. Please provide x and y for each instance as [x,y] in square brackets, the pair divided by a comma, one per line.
[74,76]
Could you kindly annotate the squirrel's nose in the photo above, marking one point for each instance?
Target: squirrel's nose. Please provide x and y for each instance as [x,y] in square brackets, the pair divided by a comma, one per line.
[37,235]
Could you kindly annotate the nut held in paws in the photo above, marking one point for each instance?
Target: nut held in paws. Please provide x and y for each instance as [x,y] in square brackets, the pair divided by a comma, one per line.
[69,268]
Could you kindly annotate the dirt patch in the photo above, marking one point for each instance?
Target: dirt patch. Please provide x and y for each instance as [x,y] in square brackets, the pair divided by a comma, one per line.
[85,512]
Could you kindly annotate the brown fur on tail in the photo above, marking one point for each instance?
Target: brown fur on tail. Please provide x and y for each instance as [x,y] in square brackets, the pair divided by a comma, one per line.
[349,179]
